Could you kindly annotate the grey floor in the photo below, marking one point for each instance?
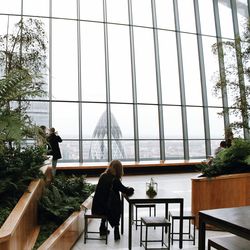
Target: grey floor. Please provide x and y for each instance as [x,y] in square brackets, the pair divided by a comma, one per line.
[178,183]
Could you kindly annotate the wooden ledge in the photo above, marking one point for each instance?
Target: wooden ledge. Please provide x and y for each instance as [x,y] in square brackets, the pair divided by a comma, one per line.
[103,165]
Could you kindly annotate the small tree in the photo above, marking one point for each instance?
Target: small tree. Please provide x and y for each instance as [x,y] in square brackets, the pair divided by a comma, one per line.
[23,61]
[235,57]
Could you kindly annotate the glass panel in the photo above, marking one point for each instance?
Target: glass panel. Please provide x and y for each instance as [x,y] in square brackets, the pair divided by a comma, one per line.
[191,69]
[122,125]
[69,150]
[242,13]
[195,123]
[172,123]
[117,11]
[174,150]
[207,17]
[149,150]
[11,7]
[119,64]
[148,122]
[93,62]
[145,66]
[39,113]
[91,10]
[226,21]
[211,69]
[65,119]
[64,60]
[123,150]
[98,150]
[142,14]
[233,118]
[64,8]
[94,121]
[216,123]
[165,14]
[186,15]
[36,7]
[197,149]
[169,67]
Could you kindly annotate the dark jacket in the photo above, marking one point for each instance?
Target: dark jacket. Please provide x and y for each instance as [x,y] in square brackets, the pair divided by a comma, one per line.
[100,199]
[53,144]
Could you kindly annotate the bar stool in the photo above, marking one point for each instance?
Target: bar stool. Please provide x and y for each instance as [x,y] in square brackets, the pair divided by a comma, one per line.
[229,243]
[89,216]
[186,216]
[138,206]
[155,222]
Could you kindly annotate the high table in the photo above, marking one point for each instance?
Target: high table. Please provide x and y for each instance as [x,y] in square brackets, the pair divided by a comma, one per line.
[235,220]
[140,196]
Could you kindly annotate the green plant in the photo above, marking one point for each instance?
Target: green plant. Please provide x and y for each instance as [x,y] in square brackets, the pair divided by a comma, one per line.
[17,169]
[23,58]
[62,197]
[232,79]
[234,159]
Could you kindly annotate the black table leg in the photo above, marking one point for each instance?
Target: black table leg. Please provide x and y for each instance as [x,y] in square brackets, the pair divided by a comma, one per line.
[202,234]
[122,216]
[130,226]
[181,225]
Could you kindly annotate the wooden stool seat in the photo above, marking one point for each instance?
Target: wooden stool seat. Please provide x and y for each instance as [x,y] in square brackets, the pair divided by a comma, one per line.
[89,216]
[187,215]
[155,222]
[138,206]
[229,243]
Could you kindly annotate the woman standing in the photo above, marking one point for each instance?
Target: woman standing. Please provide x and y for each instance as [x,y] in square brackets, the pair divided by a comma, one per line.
[110,179]
[53,146]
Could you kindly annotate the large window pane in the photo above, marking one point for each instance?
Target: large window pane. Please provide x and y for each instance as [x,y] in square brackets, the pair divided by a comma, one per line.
[122,125]
[10,7]
[64,8]
[226,21]
[93,62]
[174,149]
[36,7]
[123,150]
[207,17]
[39,113]
[91,10]
[169,68]
[195,129]
[65,119]
[69,150]
[142,14]
[149,150]
[119,64]
[145,66]
[148,122]
[165,14]
[94,121]
[186,15]
[197,149]
[212,70]
[117,11]
[216,124]
[98,150]
[172,122]
[191,69]
[242,14]
[64,61]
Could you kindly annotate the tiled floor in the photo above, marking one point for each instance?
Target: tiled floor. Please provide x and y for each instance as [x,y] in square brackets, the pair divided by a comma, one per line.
[178,183]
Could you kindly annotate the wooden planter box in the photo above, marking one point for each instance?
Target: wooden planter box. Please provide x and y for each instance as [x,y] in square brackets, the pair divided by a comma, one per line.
[220,192]
[21,229]
[68,233]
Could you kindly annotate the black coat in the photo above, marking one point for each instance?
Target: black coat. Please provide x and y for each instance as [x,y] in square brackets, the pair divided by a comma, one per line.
[53,144]
[100,199]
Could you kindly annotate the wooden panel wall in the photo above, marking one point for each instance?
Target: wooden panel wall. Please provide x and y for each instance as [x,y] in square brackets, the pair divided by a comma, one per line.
[220,192]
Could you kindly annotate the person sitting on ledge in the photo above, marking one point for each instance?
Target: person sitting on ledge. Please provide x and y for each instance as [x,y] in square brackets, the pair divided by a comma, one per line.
[110,180]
